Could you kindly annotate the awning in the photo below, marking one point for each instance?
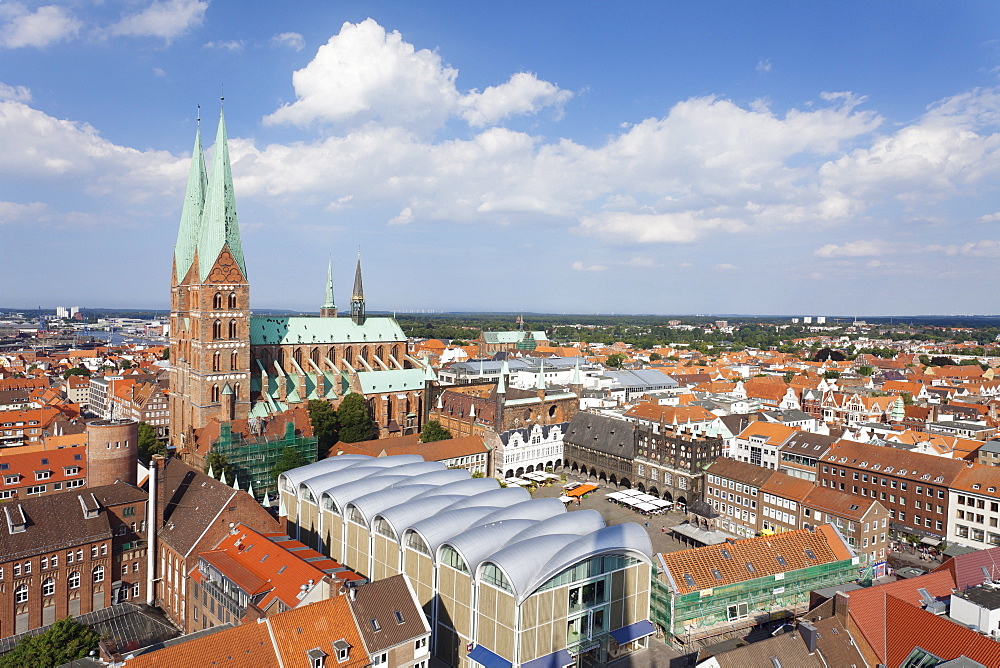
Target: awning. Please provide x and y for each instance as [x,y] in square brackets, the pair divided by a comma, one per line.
[559,659]
[927,540]
[627,634]
[485,657]
[581,490]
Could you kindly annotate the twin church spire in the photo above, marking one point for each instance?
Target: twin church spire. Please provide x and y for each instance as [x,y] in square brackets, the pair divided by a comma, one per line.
[209,224]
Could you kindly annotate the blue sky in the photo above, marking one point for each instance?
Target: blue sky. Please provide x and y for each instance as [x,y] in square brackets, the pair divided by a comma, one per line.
[796,158]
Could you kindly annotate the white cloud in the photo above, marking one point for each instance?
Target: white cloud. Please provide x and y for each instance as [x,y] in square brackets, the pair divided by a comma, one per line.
[523,94]
[405,217]
[983,248]
[990,218]
[46,25]
[12,212]
[861,248]
[580,266]
[234,46]
[365,74]
[160,72]
[726,267]
[763,65]
[166,19]
[292,40]
[642,262]
[14,93]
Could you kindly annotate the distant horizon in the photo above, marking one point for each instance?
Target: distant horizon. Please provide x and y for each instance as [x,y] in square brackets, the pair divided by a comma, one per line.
[830,320]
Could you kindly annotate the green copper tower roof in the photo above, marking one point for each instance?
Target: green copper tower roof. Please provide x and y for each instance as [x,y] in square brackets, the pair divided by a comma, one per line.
[219,225]
[329,287]
[194,204]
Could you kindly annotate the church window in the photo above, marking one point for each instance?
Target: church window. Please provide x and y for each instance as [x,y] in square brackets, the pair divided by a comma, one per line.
[216,361]
[265,359]
[281,358]
[217,330]
[232,329]
[298,356]
[236,391]
[215,394]
[364,353]
[314,356]
[349,355]
[217,301]
[379,353]
[232,300]
[234,360]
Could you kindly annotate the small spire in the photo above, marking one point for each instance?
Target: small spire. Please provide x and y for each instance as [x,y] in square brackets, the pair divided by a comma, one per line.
[329,308]
[502,382]
[541,376]
[250,489]
[210,473]
[358,296]
[222,478]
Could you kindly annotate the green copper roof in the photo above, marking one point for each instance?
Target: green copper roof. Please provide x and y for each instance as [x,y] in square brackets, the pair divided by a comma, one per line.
[266,330]
[399,380]
[219,225]
[329,287]
[194,204]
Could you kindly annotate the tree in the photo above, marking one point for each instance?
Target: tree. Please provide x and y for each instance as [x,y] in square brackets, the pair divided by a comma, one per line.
[166,353]
[829,354]
[149,444]
[907,399]
[76,371]
[942,361]
[65,641]
[789,375]
[125,364]
[218,464]
[866,370]
[655,357]
[324,423]
[355,422]
[290,459]
[614,360]
[433,431]
[831,374]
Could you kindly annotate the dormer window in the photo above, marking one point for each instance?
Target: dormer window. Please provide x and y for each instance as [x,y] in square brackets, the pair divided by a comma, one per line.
[343,650]
[375,625]
[317,657]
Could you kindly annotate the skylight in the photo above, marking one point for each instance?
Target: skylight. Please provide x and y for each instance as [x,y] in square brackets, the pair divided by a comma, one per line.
[716,574]
[689,580]
[781,560]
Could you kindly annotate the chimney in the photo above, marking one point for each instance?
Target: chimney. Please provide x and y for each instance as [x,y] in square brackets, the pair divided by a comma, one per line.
[152,525]
[809,635]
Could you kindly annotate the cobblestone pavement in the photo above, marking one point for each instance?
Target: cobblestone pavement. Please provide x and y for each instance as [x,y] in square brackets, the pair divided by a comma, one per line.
[658,525]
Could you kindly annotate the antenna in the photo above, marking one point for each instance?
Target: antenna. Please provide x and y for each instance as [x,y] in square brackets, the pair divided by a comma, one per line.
[222,97]
[199,114]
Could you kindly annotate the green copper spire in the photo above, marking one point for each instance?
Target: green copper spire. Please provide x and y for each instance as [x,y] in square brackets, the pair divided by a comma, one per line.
[194,203]
[329,287]
[541,376]
[219,225]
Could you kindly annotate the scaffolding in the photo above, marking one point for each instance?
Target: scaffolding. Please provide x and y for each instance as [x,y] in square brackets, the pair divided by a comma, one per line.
[252,459]
[709,612]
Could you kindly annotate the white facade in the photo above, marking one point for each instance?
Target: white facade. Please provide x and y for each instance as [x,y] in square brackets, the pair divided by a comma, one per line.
[978,607]
[975,518]
[530,449]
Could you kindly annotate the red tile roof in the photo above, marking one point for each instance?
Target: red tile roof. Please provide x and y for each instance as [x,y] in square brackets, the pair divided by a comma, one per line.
[913,626]
[967,569]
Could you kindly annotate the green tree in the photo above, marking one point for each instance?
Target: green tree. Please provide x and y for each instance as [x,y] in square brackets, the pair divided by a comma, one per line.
[655,357]
[166,353]
[866,370]
[290,459]
[907,399]
[324,423]
[433,431]
[65,641]
[149,444]
[355,422]
[614,360]
[76,371]
[125,364]
[789,375]
[218,464]
[831,374]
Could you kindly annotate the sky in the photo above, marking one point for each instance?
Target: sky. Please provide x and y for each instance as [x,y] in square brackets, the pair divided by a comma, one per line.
[798,158]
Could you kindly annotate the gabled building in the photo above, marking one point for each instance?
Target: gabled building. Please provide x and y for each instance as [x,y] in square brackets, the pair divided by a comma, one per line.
[702,593]
[467,452]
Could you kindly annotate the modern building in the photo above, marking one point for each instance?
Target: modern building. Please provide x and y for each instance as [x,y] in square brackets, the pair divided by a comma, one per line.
[505,580]
[974,519]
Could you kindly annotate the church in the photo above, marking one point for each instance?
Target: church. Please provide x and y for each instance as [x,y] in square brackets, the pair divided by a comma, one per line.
[228,365]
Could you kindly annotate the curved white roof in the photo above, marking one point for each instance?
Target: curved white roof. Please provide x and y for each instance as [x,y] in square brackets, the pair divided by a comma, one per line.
[438,528]
[372,504]
[318,484]
[526,572]
[404,515]
[295,476]
[498,498]
[480,542]
[343,494]
[532,509]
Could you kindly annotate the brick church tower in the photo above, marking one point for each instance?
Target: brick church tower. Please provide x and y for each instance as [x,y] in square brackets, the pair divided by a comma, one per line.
[209,302]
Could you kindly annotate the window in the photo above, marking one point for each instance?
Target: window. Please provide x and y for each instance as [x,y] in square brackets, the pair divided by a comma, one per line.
[375,625]
[55,561]
[380,659]
[21,594]
[232,300]
[48,587]
[217,301]
[99,573]
[27,567]
[74,580]
[17,569]
[45,563]
[738,611]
